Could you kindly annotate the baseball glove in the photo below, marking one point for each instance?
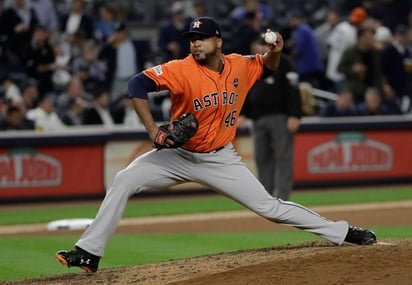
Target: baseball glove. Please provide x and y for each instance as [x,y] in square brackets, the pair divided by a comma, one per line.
[179,131]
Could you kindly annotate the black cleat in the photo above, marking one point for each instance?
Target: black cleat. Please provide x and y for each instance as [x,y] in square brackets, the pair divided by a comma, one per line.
[79,257]
[360,236]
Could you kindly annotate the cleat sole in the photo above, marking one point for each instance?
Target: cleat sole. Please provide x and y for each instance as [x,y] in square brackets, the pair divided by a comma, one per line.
[87,269]
[62,260]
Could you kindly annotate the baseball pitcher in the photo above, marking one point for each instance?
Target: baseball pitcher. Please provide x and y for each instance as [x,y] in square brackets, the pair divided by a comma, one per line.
[207,91]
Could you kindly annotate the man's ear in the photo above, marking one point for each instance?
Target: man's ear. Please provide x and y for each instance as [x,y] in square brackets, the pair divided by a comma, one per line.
[219,42]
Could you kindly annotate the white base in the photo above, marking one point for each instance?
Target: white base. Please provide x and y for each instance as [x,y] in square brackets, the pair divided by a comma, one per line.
[69,224]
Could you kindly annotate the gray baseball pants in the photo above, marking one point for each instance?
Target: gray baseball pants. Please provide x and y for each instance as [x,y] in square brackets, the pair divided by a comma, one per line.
[222,171]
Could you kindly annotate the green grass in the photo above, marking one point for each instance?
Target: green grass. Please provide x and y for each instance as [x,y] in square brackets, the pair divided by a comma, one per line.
[338,197]
[205,204]
[122,250]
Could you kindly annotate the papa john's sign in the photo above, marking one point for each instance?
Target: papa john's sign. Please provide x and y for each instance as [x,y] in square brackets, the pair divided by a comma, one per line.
[350,152]
[51,171]
[28,168]
[352,155]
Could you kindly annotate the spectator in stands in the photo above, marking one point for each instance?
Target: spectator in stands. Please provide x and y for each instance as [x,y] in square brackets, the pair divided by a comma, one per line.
[44,116]
[308,102]
[342,37]
[12,93]
[170,41]
[76,25]
[394,65]
[20,21]
[123,113]
[107,23]
[360,65]
[130,117]
[324,30]
[261,9]
[74,89]
[46,14]
[343,106]
[118,109]
[123,59]
[15,120]
[98,112]
[383,35]
[383,38]
[29,93]
[373,104]
[61,73]
[199,9]
[40,60]
[74,114]
[90,83]
[246,32]
[305,51]
[89,56]
[23,96]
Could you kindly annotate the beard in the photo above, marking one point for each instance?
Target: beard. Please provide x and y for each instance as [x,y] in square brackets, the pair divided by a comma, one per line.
[204,57]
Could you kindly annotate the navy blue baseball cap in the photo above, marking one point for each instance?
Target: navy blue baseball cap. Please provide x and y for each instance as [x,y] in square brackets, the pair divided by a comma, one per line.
[205,26]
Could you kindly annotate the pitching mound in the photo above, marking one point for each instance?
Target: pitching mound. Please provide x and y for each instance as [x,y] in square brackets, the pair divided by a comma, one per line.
[388,262]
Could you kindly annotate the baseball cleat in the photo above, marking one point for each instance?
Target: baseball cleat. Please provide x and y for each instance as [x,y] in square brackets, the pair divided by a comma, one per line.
[360,236]
[80,258]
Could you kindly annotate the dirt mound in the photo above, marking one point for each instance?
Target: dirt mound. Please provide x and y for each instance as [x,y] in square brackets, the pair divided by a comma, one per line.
[320,262]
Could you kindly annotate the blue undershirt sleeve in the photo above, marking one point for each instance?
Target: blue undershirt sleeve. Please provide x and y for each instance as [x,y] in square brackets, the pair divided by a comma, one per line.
[139,85]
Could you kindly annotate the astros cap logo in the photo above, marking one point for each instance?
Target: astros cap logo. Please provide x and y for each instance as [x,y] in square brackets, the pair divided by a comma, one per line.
[196,25]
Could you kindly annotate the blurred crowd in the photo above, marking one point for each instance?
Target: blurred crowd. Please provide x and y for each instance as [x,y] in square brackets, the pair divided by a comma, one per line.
[63,67]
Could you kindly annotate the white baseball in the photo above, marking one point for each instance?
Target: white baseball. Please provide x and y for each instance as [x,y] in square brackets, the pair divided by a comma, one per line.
[270,37]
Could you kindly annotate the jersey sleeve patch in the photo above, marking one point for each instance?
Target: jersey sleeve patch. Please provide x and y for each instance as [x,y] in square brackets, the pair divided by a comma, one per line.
[158,70]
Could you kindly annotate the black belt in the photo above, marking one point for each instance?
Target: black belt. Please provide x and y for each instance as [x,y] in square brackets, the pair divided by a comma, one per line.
[218,149]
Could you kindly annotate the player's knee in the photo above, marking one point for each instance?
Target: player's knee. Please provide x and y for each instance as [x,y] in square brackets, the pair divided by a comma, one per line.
[268,209]
[120,177]
[124,182]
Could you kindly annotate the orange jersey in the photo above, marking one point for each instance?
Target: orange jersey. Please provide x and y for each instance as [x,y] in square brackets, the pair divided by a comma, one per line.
[215,99]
